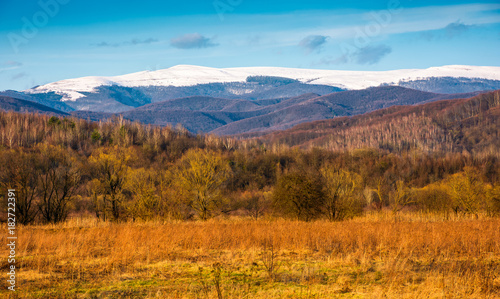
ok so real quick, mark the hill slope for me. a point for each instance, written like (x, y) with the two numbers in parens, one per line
(202, 103)
(330, 106)
(19, 105)
(471, 124)
(205, 114)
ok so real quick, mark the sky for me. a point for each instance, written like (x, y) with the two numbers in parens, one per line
(43, 41)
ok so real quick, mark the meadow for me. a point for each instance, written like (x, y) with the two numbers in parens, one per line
(117, 209)
(375, 256)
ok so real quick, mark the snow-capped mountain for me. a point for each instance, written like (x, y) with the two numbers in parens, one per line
(186, 76)
(255, 99)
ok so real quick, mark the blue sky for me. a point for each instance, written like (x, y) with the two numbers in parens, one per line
(49, 40)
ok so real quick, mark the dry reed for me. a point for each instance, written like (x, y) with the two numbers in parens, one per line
(366, 258)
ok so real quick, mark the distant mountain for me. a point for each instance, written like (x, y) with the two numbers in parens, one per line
(252, 89)
(471, 124)
(197, 114)
(203, 103)
(19, 105)
(116, 98)
(234, 116)
(291, 90)
(112, 98)
(206, 114)
(332, 105)
(255, 99)
(122, 93)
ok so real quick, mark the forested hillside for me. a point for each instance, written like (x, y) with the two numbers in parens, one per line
(436, 158)
(465, 125)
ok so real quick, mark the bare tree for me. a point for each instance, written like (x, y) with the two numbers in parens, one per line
(17, 172)
(343, 193)
(58, 180)
(401, 197)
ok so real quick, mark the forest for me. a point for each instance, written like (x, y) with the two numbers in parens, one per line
(117, 170)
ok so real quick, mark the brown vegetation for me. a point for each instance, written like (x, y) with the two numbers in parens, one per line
(466, 125)
(369, 257)
(110, 209)
(118, 170)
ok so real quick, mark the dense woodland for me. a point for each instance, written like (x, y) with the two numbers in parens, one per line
(440, 159)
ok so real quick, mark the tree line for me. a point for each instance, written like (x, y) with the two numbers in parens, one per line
(118, 170)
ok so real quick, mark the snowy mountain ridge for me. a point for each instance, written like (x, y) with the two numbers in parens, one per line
(187, 75)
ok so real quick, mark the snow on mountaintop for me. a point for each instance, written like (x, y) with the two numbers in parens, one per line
(187, 75)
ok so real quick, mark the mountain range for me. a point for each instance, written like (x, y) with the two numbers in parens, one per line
(248, 100)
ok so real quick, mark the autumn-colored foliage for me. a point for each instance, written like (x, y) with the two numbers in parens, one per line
(200, 181)
(109, 209)
(120, 170)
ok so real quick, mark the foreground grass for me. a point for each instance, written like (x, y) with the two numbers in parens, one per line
(364, 258)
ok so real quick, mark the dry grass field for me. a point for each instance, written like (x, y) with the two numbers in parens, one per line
(369, 257)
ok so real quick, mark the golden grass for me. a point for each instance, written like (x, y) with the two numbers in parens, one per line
(363, 258)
